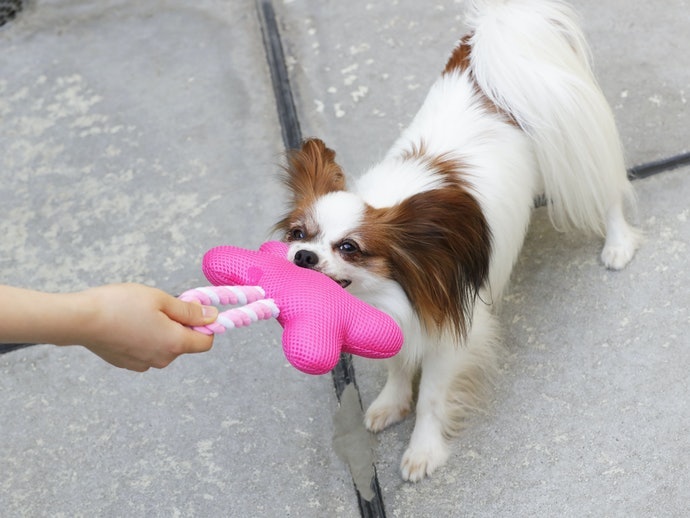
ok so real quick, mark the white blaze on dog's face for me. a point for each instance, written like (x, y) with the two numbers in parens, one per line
(324, 237)
(325, 223)
(328, 237)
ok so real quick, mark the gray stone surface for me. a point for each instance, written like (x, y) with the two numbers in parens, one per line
(136, 135)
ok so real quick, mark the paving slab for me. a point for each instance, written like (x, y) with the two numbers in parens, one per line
(135, 136)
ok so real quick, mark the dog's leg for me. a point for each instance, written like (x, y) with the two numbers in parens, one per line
(428, 447)
(455, 381)
(395, 400)
(621, 239)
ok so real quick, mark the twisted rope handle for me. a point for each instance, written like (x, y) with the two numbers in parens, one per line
(254, 306)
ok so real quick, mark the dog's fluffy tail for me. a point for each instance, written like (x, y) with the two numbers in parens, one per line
(531, 59)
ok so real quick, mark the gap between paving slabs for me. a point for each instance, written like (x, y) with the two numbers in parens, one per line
(8, 10)
(352, 442)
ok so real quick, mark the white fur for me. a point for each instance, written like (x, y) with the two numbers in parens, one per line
(548, 86)
(530, 59)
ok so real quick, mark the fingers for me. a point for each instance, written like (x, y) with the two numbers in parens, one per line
(192, 314)
(189, 313)
(196, 342)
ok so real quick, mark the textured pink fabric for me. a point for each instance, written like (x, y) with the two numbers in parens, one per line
(320, 319)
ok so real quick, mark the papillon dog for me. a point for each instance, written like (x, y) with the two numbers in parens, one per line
(431, 233)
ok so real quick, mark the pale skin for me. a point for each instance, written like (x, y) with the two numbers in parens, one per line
(131, 326)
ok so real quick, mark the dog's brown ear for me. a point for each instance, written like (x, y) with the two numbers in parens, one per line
(438, 243)
(312, 171)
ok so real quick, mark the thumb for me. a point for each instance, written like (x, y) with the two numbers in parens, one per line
(190, 313)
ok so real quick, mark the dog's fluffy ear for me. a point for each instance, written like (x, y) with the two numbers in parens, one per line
(312, 172)
(438, 244)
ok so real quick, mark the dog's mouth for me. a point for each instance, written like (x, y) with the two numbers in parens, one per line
(343, 282)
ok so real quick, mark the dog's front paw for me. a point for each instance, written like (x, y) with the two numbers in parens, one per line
(423, 458)
(620, 247)
(381, 414)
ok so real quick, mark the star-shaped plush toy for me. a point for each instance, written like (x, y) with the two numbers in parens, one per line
(319, 318)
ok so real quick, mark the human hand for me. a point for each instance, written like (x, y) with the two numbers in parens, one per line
(137, 327)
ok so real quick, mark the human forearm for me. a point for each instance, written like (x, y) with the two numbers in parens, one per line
(129, 325)
(34, 317)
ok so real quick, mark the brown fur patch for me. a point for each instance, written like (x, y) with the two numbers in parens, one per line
(460, 58)
(459, 61)
(445, 164)
(310, 173)
(438, 246)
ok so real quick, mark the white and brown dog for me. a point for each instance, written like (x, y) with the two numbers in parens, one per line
(431, 233)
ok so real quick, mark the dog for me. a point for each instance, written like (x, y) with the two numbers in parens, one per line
(431, 233)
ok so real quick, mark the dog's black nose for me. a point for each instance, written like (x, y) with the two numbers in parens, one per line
(306, 259)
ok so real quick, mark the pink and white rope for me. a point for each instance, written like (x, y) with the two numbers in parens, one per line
(254, 306)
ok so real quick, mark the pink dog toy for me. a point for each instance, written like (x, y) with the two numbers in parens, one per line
(319, 318)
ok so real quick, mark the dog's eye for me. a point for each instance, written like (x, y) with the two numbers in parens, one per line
(296, 234)
(348, 247)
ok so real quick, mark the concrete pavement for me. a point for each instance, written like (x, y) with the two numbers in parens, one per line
(136, 135)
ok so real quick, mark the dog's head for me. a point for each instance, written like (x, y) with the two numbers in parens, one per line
(434, 243)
